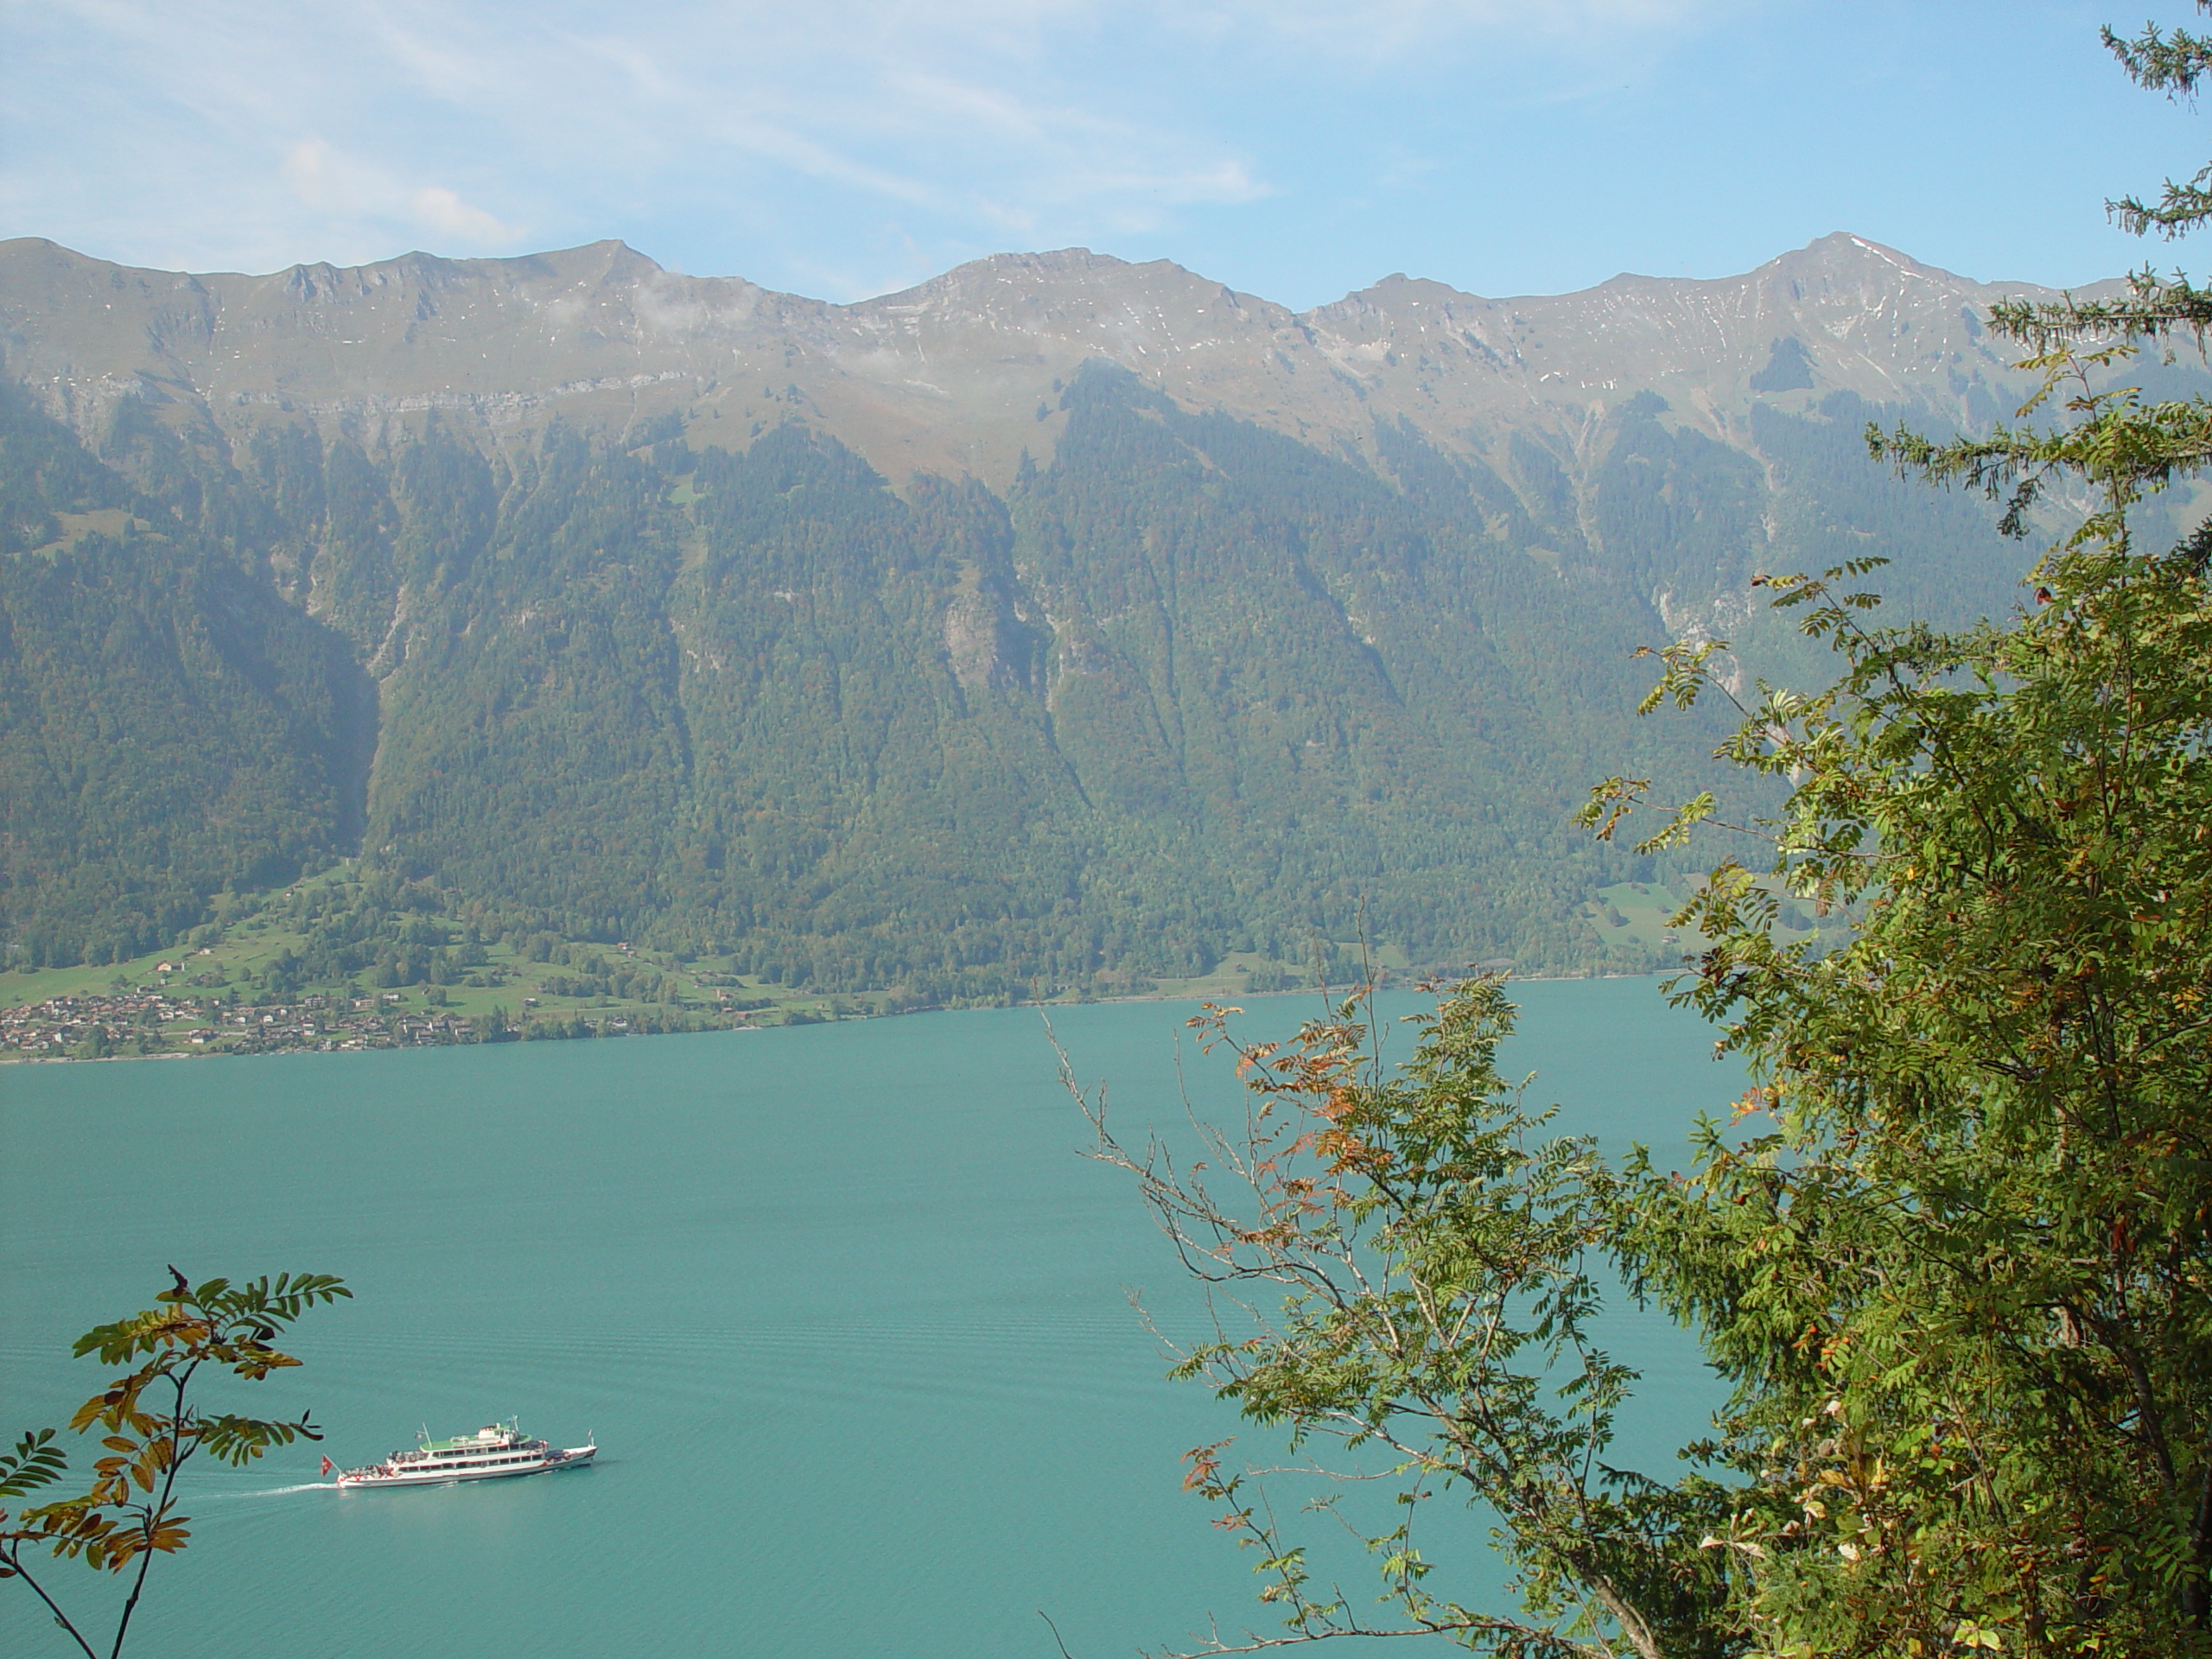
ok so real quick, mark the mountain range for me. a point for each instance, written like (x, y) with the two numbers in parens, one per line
(949, 378)
(1060, 619)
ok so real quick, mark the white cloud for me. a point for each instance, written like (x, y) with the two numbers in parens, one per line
(441, 210)
(256, 132)
(347, 187)
(1372, 35)
(307, 169)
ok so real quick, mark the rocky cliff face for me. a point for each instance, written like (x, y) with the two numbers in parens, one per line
(963, 373)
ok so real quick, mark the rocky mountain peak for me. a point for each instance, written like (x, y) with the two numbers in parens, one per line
(961, 373)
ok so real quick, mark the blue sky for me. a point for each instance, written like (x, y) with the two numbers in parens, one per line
(1293, 149)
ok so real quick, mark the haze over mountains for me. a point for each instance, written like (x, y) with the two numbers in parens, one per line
(948, 378)
(1060, 617)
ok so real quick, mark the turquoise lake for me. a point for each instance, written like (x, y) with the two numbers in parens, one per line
(844, 1306)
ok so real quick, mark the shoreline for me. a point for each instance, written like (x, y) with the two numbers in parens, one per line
(522, 1032)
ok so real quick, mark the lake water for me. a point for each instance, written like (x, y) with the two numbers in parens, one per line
(844, 1306)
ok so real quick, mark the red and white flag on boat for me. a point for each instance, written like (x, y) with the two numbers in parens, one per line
(328, 1465)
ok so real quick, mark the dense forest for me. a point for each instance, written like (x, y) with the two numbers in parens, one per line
(1188, 686)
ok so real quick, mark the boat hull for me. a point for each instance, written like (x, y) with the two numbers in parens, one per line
(449, 1462)
(438, 1477)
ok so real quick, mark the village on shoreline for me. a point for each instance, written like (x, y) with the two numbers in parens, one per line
(147, 1024)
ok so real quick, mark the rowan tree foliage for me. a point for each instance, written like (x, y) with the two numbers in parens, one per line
(1956, 1266)
(150, 1426)
(1953, 1254)
(1433, 1250)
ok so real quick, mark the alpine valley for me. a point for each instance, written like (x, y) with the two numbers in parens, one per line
(1060, 624)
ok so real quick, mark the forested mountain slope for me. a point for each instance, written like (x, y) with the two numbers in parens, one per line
(1060, 619)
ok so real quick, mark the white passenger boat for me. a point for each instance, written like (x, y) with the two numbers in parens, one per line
(496, 1450)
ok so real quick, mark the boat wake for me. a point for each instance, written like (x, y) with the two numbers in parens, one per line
(279, 1491)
